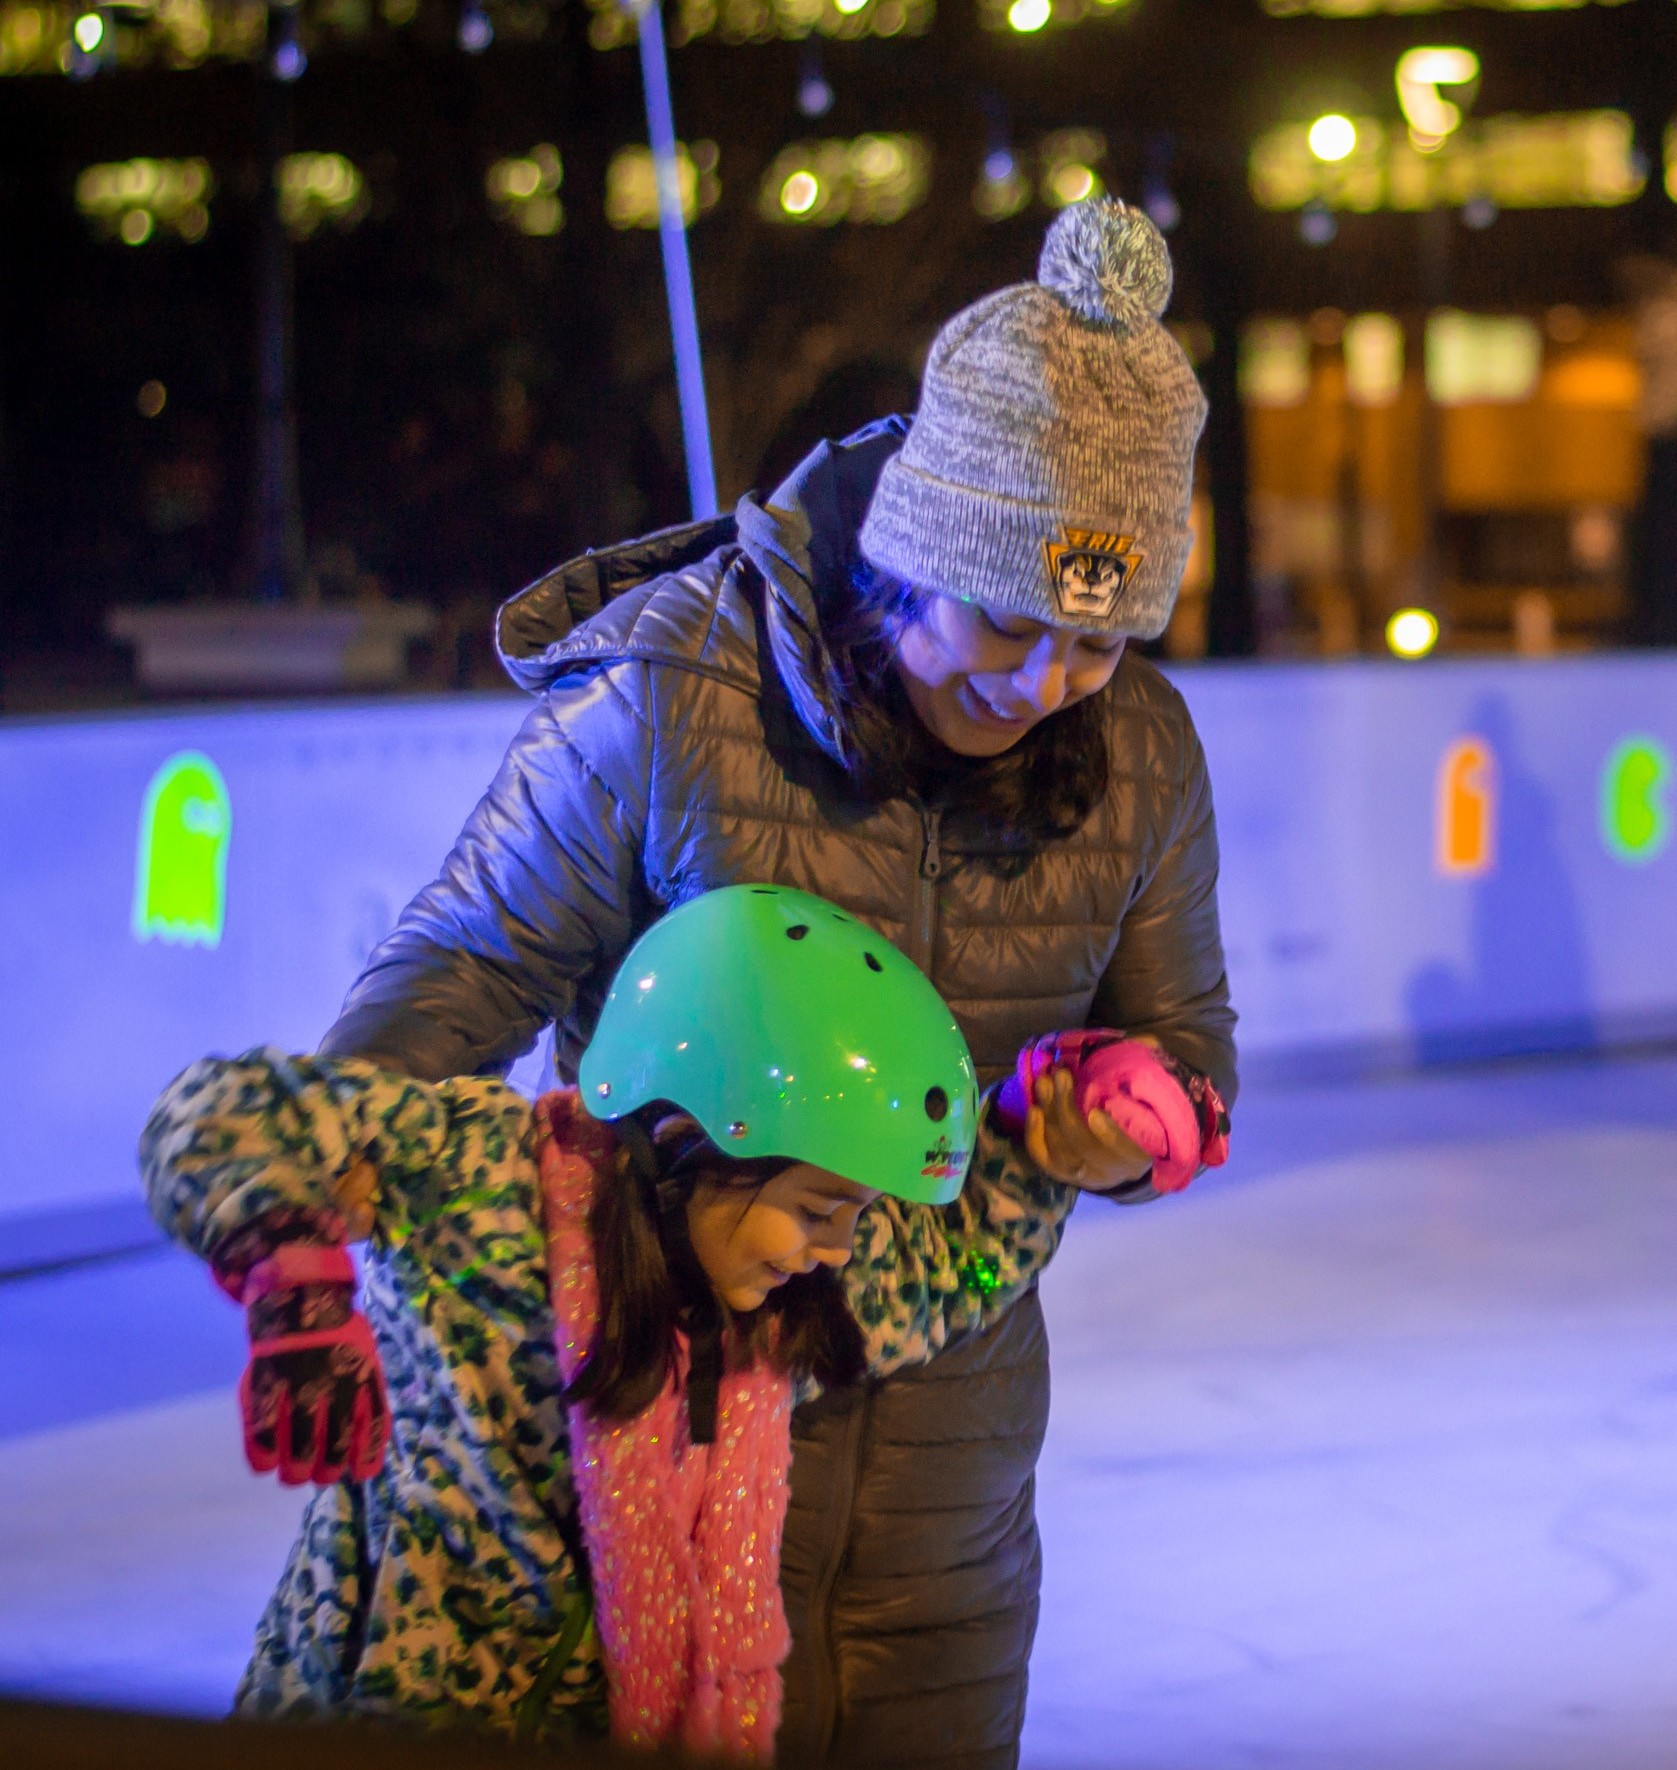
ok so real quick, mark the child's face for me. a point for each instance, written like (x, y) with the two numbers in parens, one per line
(750, 1240)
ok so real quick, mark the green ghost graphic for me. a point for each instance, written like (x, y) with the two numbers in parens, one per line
(1634, 819)
(180, 888)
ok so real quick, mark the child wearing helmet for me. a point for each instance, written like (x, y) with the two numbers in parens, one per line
(557, 1442)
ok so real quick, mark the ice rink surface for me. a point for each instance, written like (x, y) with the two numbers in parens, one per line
(1363, 1453)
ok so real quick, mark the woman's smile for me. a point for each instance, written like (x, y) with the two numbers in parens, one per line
(979, 707)
(1029, 670)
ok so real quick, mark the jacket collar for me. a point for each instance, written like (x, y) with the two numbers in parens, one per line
(799, 538)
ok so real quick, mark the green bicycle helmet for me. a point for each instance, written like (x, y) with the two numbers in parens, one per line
(788, 1028)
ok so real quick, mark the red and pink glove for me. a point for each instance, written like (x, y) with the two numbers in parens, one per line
(312, 1395)
(1169, 1111)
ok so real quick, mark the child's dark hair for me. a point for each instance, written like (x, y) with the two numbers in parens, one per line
(1039, 791)
(648, 1287)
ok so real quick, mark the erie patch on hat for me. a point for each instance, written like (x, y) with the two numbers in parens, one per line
(1088, 571)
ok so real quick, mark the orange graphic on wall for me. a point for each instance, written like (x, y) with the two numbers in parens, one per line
(1467, 792)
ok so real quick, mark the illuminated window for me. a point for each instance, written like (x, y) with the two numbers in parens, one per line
(130, 200)
(180, 879)
(632, 184)
(1373, 345)
(1481, 357)
(44, 39)
(611, 24)
(524, 191)
(1274, 363)
(875, 179)
(1577, 159)
(318, 188)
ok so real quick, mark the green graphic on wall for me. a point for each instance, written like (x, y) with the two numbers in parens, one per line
(1635, 823)
(180, 885)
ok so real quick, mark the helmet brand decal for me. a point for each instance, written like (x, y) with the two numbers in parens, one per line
(1090, 571)
(944, 1161)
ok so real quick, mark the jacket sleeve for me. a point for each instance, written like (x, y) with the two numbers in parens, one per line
(920, 1276)
(537, 896)
(1167, 976)
(332, 1148)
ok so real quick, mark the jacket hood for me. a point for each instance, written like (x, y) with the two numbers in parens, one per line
(800, 539)
(539, 632)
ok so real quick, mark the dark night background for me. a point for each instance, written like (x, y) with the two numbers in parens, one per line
(473, 405)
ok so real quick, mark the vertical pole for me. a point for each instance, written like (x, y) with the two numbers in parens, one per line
(277, 567)
(1433, 279)
(678, 273)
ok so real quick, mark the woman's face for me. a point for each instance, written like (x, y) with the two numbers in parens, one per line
(750, 1240)
(980, 679)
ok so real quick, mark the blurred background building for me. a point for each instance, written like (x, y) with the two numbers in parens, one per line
(358, 305)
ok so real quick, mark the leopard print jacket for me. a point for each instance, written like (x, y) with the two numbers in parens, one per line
(452, 1587)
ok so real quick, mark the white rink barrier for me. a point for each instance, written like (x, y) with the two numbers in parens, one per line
(1420, 862)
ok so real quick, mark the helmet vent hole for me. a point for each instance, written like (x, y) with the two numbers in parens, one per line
(873, 963)
(937, 1105)
(797, 931)
(764, 891)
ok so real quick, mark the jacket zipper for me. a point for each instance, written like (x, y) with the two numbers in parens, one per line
(824, 1672)
(824, 1679)
(926, 905)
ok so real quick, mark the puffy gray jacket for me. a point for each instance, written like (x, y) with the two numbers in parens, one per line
(681, 741)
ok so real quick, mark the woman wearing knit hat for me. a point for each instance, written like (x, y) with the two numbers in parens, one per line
(900, 681)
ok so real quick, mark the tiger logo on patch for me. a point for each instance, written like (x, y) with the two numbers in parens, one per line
(1090, 572)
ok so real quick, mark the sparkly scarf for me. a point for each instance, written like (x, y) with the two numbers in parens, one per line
(683, 1539)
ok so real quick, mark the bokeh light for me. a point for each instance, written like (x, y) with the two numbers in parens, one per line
(1026, 16)
(1420, 73)
(130, 200)
(1412, 633)
(1333, 137)
(800, 193)
(317, 188)
(870, 179)
(632, 184)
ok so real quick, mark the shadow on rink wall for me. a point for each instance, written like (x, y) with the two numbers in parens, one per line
(1526, 984)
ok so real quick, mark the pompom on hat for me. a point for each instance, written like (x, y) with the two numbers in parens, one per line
(1049, 467)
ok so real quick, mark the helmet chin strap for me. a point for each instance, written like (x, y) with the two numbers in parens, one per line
(701, 1314)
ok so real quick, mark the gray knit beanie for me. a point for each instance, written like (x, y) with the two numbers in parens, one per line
(1049, 466)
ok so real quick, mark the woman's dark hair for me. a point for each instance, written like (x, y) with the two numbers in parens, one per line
(650, 1282)
(1039, 791)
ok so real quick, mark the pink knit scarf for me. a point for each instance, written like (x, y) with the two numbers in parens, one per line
(683, 1539)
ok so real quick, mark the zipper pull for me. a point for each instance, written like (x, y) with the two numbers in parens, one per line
(931, 859)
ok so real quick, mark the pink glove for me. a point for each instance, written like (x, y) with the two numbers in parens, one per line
(312, 1395)
(1170, 1112)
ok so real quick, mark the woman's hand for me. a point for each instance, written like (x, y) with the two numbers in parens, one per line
(1088, 1152)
